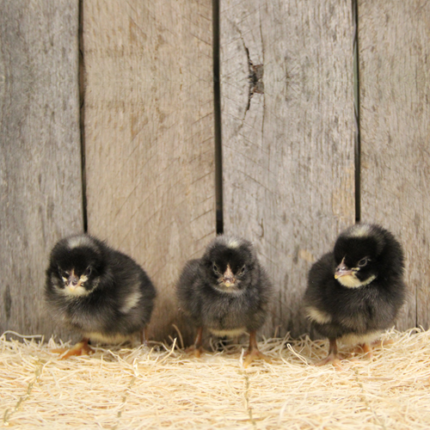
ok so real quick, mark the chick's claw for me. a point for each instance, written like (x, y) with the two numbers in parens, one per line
(364, 348)
(333, 356)
(81, 348)
(367, 349)
(253, 355)
(196, 351)
(197, 348)
(331, 359)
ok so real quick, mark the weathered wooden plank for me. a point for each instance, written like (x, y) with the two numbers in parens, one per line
(394, 54)
(288, 135)
(40, 164)
(150, 135)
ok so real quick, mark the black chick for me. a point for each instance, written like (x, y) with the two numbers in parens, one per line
(356, 291)
(227, 291)
(100, 292)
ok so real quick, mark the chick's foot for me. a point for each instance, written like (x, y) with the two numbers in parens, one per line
(81, 348)
(252, 355)
(253, 351)
(197, 351)
(333, 359)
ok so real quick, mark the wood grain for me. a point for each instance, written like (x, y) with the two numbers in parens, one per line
(40, 164)
(288, 136)
(149, 136)
(394, 53)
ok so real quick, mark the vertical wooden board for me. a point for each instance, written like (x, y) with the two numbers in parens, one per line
(287, 136)
(150, 136)
(40, 164)
(394, 55)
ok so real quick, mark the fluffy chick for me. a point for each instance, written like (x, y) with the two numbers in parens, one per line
(227, 291)
(356, 291)
(100, 292)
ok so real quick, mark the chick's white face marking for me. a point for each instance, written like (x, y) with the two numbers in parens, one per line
(348, 277)
(227, 282)
(228, 279)
(72, 289)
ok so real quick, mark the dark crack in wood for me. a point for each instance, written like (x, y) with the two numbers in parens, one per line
(255, 77)
(256, 72)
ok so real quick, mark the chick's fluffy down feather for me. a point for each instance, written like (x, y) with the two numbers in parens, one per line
(230, 310)
(116, 298)
(356, 313)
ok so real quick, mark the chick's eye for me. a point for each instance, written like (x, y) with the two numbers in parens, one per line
(88, 271)
(242, 271)
(63, 273)
(215, 269)
(363, 262)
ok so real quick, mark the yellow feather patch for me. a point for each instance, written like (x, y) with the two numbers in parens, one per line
(354, 339)
(318, 316)
(230, 333)
(351, 281)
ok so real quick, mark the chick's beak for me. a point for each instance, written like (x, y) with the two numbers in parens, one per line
(342, 270)
(72, 282)
(228, 278)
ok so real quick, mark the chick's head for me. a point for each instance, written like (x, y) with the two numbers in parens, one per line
(228, 264)
(358, 253)
(78, 267)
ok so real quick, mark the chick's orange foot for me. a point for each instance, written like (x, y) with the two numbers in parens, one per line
(333, 356)
(197, 348)
(197, 351)
(253, 352)
(333, 359)
(363, 348)
(81, 348)
(252, 355)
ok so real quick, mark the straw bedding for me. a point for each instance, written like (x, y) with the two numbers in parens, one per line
(146, 388)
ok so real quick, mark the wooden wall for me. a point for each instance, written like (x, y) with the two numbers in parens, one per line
(149, 135)
(287, 140)
(289, 134)
(394, 58)
(40, 155)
